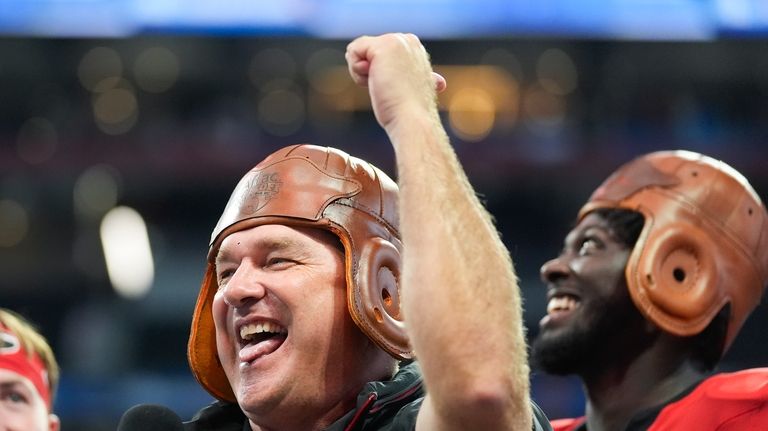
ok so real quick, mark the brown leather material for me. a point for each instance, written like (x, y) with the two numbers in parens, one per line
(310, 186)
(704, 243)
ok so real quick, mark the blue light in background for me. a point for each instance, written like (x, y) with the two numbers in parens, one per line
(434, 19)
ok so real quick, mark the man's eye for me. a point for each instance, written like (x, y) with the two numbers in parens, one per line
(15, 397)
(279, 262)
(225, 275)
(588, 245)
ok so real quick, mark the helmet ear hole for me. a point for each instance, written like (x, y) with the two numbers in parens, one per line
(676, 282)
(375, 301)
(386, 297)
(679, 274)
(389, 291)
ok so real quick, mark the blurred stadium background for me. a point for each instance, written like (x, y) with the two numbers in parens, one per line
(124, 126)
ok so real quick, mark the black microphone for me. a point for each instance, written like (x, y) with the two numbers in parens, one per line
(150, 417)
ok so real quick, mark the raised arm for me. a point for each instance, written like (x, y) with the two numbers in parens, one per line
(460, 294)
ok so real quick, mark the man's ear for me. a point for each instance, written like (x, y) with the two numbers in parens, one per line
(53, 422)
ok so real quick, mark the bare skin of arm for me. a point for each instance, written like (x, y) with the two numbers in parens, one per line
(460, 293)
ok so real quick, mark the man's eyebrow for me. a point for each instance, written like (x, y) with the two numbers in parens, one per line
(268, 244)
(12, 384)
(571, 238)
(221, 255)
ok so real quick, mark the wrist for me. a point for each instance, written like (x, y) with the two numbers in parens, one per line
(410, 124)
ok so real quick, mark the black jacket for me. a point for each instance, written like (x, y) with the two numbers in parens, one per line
(391, 405)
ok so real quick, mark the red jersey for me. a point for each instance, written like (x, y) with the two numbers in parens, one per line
(724, 402)
(567, 424)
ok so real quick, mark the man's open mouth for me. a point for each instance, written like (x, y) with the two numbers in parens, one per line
(562, 303)
(261, 338)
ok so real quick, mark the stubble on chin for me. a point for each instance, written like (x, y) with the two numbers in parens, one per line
(586, 346)
(560, 354)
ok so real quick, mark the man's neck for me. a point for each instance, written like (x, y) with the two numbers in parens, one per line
(311, 416)
(291, 425)
(616, 394)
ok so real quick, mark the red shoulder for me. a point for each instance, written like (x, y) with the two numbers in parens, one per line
(749, 384)
(728, 401)
(566, 424)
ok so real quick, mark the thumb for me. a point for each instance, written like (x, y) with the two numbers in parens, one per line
(440, 83)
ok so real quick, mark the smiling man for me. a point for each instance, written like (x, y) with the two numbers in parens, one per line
(29, 375)
(668, 259)
(323, 275)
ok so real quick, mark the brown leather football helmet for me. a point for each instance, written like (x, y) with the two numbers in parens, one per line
(704, 243)
(310, 186)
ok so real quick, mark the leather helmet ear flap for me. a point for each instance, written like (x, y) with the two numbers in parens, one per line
(375, 302)
(675, 278)
(201, 350)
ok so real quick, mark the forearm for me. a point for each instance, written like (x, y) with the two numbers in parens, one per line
(460, 294)
(458, 288)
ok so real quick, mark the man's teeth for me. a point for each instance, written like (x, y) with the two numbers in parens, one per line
(561, 303)
(248, 332)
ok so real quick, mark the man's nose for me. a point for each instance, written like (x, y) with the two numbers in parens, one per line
(555, 270)
(245, 285)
